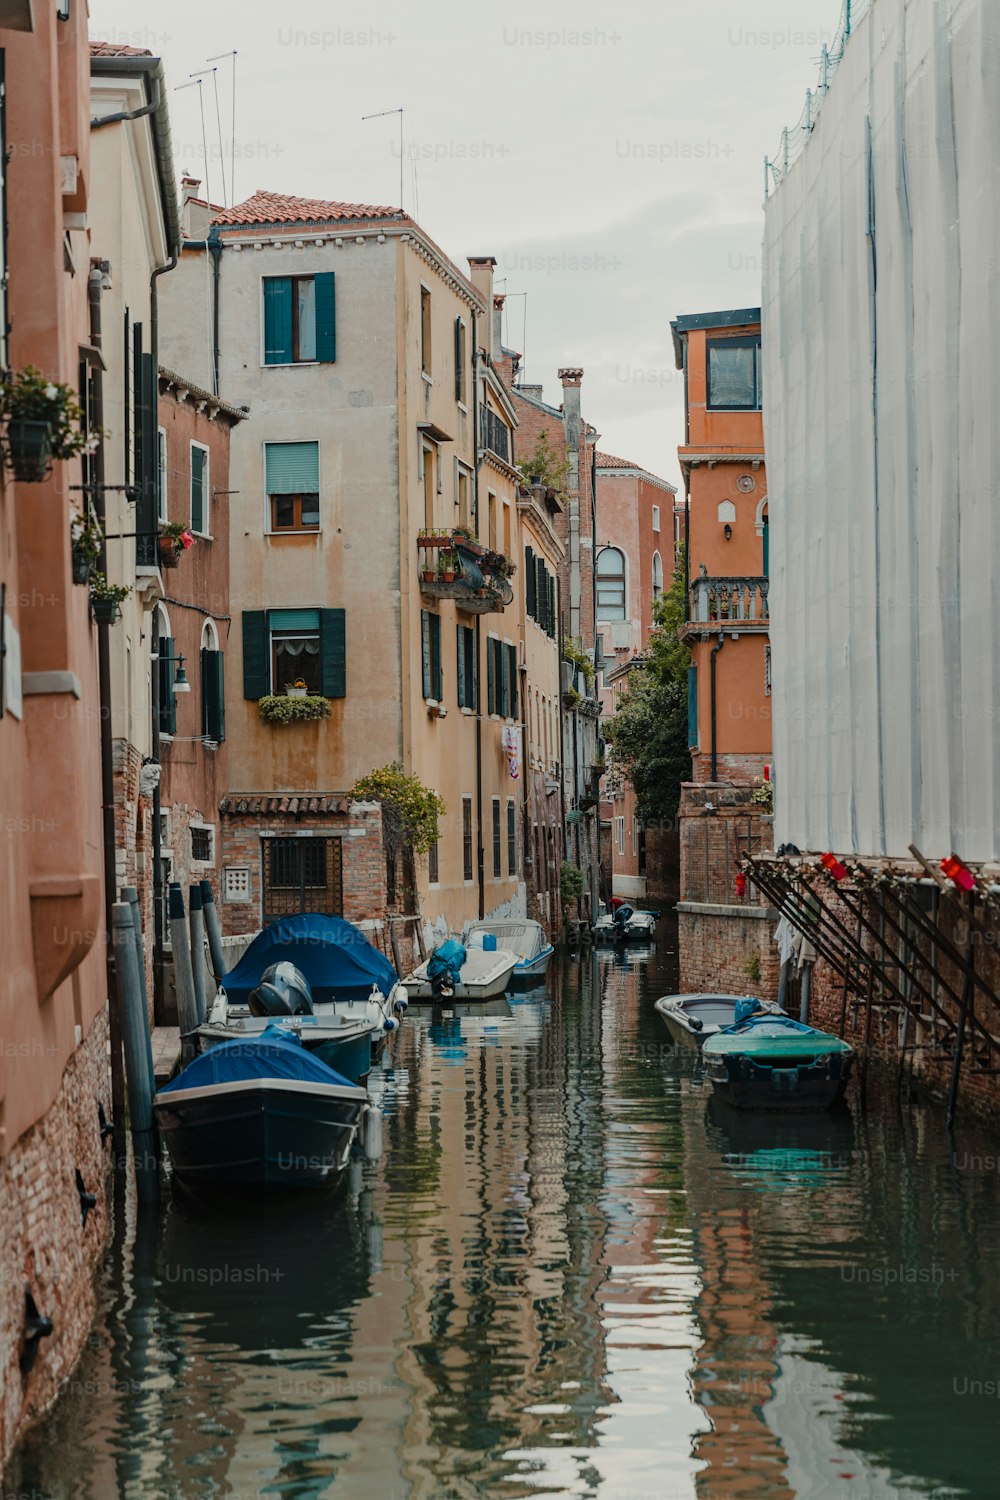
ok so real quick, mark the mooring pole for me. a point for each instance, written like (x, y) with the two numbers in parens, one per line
(956, 1064)
(135, 1029)
(804, 994)
(198, 950)
(210, 913)
(187, 1006)
(131, 895)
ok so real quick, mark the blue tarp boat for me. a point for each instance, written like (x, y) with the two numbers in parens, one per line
(356, 997)
(518, 935)
(774, 1062)
(261, 1112)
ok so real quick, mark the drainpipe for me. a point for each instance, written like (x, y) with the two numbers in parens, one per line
(154, 343)
(215, 251)
(715, 651)
(97, 271)
(132, 114)
(480, 849)
(561, 719)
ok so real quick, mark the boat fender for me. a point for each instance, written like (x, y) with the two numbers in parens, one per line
(371, 1134)
(389, 1024)
(695, 1024)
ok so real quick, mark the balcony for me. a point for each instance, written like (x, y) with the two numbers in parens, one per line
(494, 437)
(453, 565)
(730, 604)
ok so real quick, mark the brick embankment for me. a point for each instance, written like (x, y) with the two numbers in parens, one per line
(44, 1244)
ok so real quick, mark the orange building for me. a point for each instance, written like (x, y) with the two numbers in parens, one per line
(724, 935)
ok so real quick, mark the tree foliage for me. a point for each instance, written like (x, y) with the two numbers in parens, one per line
(545, 464)
(410, 810)
(649, 731)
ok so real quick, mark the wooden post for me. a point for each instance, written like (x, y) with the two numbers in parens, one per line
(131, 895)
(187, 1007)
(956, 1064)
(214, 929)
(198, 950)
(135, 1031)
(394, 941)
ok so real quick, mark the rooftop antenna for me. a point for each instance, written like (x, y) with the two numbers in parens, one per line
(218, 121)
(232, 140)
(380, 116)
(196, 82)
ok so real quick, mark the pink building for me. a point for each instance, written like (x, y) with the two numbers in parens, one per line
(634, 555)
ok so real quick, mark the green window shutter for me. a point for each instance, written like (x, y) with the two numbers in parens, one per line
(326, 318)
(333, 653)
(530, 583)
(512, 658)
(437, 669)
(198, 510)
(459, 372)
(551, 603)
(168, 674)
(425, 651)
(541, 594)
(213, 696)
(504, 665)
(692, 707)
(460, 667)
(291, 468)
(277, 320)
(472, 670)
(256, 676)
(491, 685)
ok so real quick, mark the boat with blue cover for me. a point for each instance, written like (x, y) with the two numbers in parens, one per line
(260, 1113)
(351, 1001)
(454, 972)
(520, 935)
(692, 1019)
(776, 1063)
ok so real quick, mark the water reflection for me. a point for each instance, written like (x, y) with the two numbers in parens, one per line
(571, 1274)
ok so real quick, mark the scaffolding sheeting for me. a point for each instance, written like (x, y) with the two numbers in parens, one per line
(881, 308)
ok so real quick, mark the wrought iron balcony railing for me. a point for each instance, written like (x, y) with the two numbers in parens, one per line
(455, 566)
(493, 435)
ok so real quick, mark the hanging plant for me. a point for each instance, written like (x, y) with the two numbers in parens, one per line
(106, 599)
(276, 708)
(173, 539)
(44, 421)
(86, 539)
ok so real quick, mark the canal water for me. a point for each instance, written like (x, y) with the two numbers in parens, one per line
(568, 1275)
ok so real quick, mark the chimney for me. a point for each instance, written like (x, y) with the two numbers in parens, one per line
(571, 379)
(532, 390)
(189, 187)
(481, 276)
(498, 303)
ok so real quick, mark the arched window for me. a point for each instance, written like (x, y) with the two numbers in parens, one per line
(657, 575)
(166, 670)
(610, 584)
(213, 685)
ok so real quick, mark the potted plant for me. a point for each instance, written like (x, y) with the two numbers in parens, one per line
(449, 564)
(106, 599)
(173, 539)
(44, 422)
(297, 689)
(86, 538)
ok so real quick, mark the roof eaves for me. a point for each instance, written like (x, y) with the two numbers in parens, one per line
(151, 70)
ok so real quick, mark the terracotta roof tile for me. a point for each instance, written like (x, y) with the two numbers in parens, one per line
(280, 208)
(609, 461)
(114, 49)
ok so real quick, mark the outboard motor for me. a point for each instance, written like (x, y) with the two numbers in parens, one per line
(283, 991)
(444, 967)
(621, 917)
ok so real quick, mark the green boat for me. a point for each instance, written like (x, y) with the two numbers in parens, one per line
(775, 1063)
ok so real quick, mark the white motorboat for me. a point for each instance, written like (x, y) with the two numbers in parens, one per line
(625, 926)
(482, 976)
(692, 1019)
(520, 935)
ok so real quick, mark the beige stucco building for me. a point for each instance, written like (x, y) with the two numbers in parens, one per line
(376, 553)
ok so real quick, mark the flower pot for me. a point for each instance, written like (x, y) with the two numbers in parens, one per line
(83, 566)
(429, 575)
(169, 555)
(296, 692)
(29, 449)
(448, 576)
(106, 611)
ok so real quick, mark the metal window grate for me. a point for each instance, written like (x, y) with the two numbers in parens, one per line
(302, 875)
(201, 844)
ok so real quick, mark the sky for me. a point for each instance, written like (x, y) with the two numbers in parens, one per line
(610, 158)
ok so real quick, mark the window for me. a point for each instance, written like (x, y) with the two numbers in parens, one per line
(497, 866)
(161, 473)
(291, 480)
(467, 676)
(734, 374)
(463, 497)
(467, 838)
(511, 838)
(301, 875)
(539, 592)
(283, 646)
(767, 671)
(425, 330)
(620, 834)
(635, 836)
(199, 489)
(460, 360)
(433, 871)
(213, 686)
(166, 672)
(610, 584)
(657, 575)
(430, 639)
(299, 319)
(203, 843)
(427, 456)
(501, 678)
(491, 518)
(656, 518)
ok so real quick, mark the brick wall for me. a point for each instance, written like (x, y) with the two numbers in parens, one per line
(42, 1240)
(744, 769)
(729, 949)
(663, 862)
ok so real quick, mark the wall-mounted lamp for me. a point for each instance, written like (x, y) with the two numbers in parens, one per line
(181, 684)
(728, 532)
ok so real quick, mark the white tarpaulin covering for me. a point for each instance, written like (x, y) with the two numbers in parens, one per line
(881, 316)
